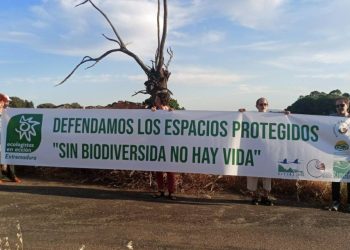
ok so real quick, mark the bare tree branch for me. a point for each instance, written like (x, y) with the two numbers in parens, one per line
(85, 60)
(122, 49)
(82, 3)
(140, 92)
(171, 54)
(158, 74)
(164, 34)
(111, 39)
(144, 67)
(109, 22)
(158, 32)
(96, 60)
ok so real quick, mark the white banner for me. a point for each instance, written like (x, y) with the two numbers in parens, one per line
(226, 143)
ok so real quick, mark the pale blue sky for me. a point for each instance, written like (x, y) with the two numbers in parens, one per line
(227, 53)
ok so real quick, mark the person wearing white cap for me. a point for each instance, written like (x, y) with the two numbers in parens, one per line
(8, 170)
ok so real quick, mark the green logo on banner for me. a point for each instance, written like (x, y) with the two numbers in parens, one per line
(341, 169)
(24, 133)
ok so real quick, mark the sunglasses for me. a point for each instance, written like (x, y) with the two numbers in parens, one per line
(263, 104)
(340, 105)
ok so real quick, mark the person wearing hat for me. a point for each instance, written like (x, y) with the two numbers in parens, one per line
(8, 170)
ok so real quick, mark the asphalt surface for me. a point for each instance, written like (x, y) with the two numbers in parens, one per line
(58, 215)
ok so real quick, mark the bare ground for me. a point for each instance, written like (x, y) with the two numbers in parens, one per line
(60, 215)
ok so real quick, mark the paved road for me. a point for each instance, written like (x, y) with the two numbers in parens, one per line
(56, 215)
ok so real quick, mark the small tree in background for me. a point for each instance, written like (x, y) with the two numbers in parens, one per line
(157, 74)
(317, 103)
(73, 105)
(17, 102)
(46, 106)
(175, 105)
(172, 103)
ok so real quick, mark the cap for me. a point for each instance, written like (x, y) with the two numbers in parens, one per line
(8, 98)
(5, 97)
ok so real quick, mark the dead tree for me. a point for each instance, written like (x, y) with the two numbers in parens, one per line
(157, 75)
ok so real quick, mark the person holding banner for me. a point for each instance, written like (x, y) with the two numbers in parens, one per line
(252, 182)
(161, 103)
(342, 108)
(8, 170)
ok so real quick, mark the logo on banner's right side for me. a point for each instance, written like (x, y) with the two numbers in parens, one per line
(341, 166)
(342, 128)
(315, 168)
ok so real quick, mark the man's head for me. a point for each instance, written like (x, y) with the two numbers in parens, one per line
(4, 100)
(262, 104)
(342, 106)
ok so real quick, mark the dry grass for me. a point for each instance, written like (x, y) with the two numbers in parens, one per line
(186, 183)
(5, 241)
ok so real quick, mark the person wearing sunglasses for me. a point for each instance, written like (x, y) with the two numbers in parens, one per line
(342, 108)
(8, 170)
(252, 182)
